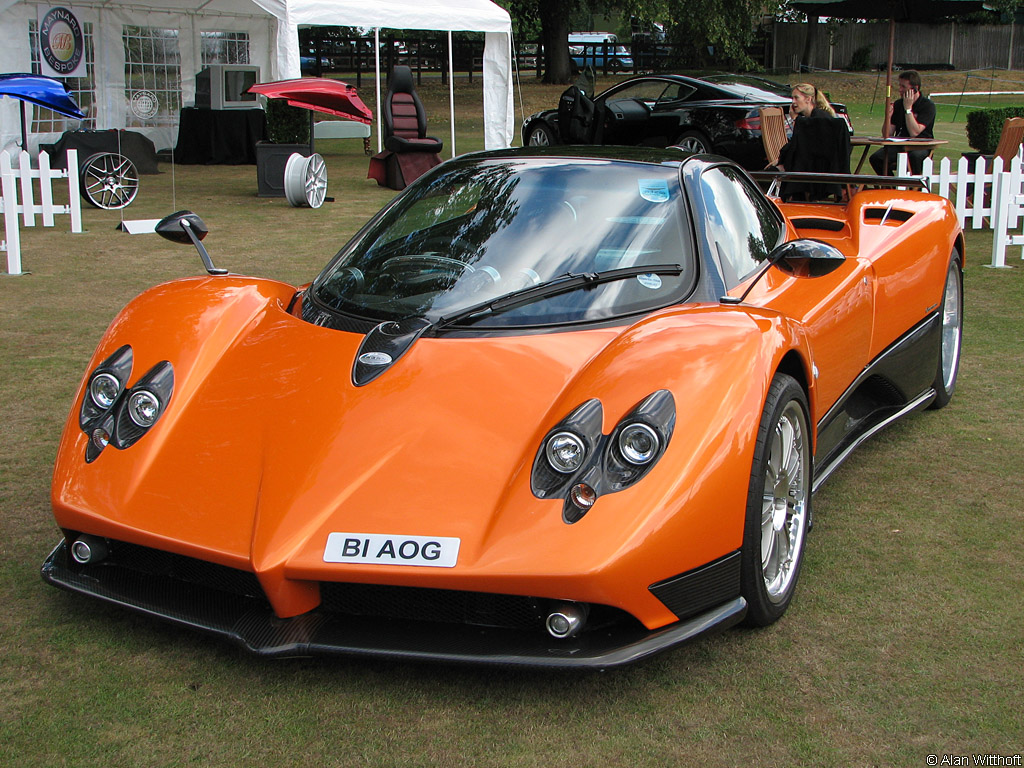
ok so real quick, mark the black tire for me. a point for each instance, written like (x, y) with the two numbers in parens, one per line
(694, 141)
(539, 135)
(951, 335)
(778, 503)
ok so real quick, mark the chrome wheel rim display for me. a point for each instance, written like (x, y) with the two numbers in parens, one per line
(305, 181)
(109, 181)
(784, 506)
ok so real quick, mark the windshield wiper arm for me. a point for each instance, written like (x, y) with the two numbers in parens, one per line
(570, 281)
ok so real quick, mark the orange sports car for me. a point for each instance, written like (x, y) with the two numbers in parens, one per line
(553, 407)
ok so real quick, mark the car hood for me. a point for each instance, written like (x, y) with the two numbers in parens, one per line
(266, 443)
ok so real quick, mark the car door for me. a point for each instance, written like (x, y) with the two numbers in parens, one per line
(627, 110)
(741, 228)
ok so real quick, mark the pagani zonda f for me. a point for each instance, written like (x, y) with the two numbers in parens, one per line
(546, 408)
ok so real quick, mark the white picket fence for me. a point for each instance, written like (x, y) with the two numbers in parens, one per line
(983, 196)
(25, 209)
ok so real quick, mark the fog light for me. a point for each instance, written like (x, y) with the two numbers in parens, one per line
(89, 549)
(566, 620)
(583, 496)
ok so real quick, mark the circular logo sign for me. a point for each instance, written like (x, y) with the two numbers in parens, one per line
(61, 41)
(145, 104)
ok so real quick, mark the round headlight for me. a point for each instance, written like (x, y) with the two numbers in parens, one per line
(638, 444)
(104, 389)
(565, 452)
(143, 408)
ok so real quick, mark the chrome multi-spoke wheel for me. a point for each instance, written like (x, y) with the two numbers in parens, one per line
(109, 180)
(692, 141)
(778, 503)
(305, 180)
(951, 332)
(784, 504)
(540, 135)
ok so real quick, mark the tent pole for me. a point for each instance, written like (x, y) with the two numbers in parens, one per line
(24, 127)
(376, 55)
(451, 89)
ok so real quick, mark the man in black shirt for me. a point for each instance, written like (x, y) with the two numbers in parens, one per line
(911, 116)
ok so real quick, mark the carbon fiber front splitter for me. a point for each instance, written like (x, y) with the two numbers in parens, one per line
(251, 624)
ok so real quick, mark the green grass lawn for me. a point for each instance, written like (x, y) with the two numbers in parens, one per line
(905, 638)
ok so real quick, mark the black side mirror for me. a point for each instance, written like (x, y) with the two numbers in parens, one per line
(813, 256)
(820, 258)
(170, 227)
(186, 227)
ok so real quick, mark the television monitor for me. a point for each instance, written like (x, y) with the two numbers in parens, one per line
(226, 86)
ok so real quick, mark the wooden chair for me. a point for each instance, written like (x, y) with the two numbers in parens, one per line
(1009, 139)
(773, 132)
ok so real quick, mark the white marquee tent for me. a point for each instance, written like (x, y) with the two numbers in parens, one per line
(270, 29)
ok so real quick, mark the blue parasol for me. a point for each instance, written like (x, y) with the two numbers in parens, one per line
(44, 91)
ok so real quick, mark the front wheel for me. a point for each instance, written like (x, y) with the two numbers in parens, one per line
(540, 135)
(952, 331)
(778, 503)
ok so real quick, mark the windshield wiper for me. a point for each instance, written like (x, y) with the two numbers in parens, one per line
(570, 281)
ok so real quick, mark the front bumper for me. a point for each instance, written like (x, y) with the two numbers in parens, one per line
(249, 622)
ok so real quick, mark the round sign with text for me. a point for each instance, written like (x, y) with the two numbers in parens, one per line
(61, 41)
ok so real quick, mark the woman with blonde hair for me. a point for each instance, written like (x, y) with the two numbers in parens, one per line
(808, 101)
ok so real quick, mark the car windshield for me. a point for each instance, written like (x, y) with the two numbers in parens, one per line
(751, 88)
(476, 230)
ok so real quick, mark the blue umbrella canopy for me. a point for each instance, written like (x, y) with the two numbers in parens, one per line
(44, 91)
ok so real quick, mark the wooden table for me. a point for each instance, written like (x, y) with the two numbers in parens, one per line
(877, 141)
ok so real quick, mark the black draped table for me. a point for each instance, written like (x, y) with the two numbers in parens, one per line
(132, 145)
(219, 136)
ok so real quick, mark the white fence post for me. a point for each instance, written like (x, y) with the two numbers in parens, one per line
(12, 179)
(9, 206)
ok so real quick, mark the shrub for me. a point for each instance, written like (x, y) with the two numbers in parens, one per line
(287, 124)
(860, 61)
(985, 125)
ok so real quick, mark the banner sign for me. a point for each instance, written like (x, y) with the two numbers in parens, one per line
(61, 42)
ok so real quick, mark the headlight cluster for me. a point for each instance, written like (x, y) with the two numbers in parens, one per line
(578, 463)
(113, 413)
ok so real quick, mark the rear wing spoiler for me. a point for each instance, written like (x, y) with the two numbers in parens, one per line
(774, 178)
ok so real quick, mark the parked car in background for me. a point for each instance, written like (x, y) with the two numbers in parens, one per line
(717, 114)
(599, 50)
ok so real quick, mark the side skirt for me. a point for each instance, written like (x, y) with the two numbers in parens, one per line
(897, 382)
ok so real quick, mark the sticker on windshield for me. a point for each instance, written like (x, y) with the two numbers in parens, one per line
(653, 190)
(649, 280)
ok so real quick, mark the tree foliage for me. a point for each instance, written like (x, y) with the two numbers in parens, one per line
(705, 31)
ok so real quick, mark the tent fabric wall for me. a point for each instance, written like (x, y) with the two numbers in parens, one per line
(107, 20)
(272, 26)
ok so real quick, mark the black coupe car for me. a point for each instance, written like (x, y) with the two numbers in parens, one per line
(718, 114)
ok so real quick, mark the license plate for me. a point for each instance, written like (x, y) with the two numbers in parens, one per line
(385, 549)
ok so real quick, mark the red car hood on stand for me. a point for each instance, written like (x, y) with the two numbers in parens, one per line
(333, 97)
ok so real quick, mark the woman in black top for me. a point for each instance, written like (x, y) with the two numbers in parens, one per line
(808, 101)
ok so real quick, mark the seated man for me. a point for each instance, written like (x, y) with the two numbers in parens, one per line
(912, 116)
